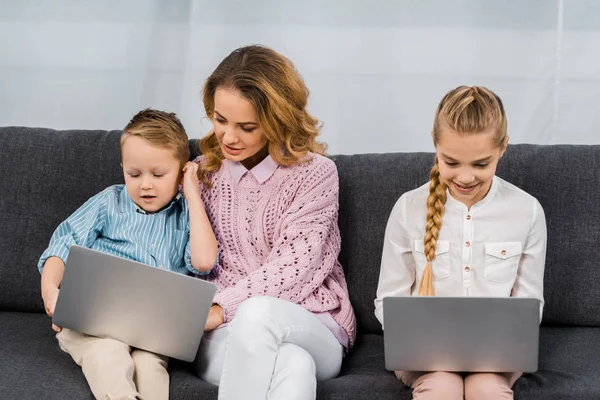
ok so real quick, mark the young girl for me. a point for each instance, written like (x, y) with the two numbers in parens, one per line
(282, 305)
(465, 233)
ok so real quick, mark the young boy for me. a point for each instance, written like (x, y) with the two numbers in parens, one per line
(146, 220)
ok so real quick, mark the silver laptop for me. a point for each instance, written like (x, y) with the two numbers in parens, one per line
(470, 334)
(145, 307)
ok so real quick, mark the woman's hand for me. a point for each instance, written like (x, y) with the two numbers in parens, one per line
(216, 317)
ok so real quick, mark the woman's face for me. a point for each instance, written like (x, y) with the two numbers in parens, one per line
(237, 128)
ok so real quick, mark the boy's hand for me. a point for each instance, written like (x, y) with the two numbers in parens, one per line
(216, 317)
(50, 298)
(191, 183)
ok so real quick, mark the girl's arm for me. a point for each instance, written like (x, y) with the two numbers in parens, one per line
(530, 276)
(397, 273)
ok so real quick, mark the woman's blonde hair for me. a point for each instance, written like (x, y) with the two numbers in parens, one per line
(270, 82)
(161, 129)
(466, 110)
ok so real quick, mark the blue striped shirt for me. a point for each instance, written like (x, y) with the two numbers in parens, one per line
(112, 223)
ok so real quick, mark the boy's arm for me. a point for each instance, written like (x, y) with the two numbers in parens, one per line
(202, 249)
(52, 275)
(81, 228)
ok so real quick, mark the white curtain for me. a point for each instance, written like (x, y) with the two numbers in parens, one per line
(376, 69)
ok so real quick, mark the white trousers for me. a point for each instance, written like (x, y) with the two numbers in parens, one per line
(272, 349)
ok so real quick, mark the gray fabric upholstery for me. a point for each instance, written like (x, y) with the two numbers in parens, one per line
(45, 175)
(33, 367)
(564, 180)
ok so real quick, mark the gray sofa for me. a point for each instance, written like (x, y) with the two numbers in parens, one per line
(45, 175)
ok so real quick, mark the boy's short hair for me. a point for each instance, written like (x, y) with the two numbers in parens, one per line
(160, 128)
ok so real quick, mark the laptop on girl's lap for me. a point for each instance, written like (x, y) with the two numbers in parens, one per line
(145, 307)
(468, 334)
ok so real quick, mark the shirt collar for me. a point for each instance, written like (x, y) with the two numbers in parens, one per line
(130, 205)
(263, 171)
(451, 201)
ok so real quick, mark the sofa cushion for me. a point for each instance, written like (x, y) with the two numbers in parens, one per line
(370, 185)
(33, 367)
(569, 368)
(564, 180)
(45, 176)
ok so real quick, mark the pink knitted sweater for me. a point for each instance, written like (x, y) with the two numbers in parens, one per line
(280, 238)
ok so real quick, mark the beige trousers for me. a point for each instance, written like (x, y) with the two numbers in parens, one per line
(459, 386)
(114, 370)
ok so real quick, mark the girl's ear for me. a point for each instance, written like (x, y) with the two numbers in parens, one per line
(504, 145)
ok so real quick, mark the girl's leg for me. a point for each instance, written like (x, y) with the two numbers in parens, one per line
(433, 385)
(490, 386)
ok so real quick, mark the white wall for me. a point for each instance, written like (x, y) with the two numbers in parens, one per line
(376, 69)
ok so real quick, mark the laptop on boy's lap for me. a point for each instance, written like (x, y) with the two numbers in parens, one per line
(145, 307)
(470, 334)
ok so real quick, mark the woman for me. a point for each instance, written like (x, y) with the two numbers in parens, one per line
(281, 318)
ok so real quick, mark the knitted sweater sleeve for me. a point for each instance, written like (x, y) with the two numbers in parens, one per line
(305, 250)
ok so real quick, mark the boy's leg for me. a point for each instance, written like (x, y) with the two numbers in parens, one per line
(106, 364)
(490, 386)
(433, 385)
(151, 377)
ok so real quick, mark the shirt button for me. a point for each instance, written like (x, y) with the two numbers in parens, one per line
(467, 268)
(503, 252)
(468, 244)
(153, 245)
(468, 217)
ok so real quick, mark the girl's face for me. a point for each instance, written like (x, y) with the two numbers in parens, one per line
(468, 163)
(237, 129)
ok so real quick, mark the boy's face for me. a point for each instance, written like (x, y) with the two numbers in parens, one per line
(152, 173)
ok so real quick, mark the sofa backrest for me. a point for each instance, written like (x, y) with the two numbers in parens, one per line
(45, 175)
(564, 178)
